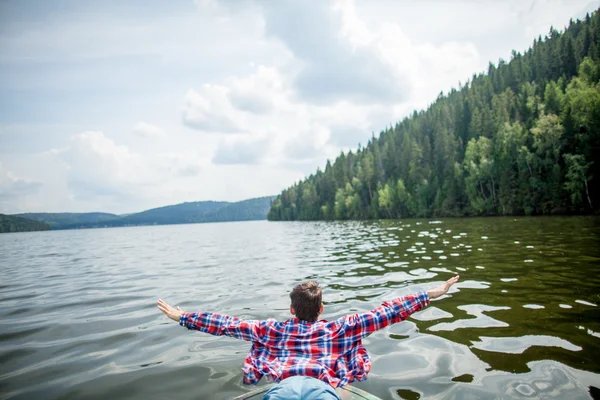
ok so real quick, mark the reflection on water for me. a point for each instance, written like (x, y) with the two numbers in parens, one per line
(517, 345)
(481, 320)
(78, 316)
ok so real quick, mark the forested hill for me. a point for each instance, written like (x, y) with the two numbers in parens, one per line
(246, 210)
(10, 223)
(522, 138)
(184, 213)
(60, 220)
(176, 214)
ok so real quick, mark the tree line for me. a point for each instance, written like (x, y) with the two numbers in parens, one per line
(520, 139)
(9, 223)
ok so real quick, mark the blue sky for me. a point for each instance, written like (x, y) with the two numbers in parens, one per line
(122, 106)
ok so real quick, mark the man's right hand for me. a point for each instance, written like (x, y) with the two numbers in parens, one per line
(443, 288)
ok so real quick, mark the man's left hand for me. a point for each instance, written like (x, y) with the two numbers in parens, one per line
(171, 312)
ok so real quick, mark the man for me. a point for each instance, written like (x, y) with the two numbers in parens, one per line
(304, 346)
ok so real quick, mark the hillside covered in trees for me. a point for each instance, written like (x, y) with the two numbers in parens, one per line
(60, 220)
(522, 138)
(184, 213)
(10, 223)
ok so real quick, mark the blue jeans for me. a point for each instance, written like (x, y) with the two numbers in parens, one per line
(301, 388)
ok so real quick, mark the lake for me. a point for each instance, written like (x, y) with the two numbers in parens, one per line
(78, 316)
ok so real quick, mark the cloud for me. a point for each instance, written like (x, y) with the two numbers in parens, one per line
(14, 189)
(258, 92)
(243, 150)
(209, 110)
(295, 133)
(100, 169)
(228, 107)
(251, 102)
(145, 129)
(340, 57)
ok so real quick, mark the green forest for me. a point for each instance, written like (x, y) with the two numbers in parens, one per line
(520, 139)
(10, 223)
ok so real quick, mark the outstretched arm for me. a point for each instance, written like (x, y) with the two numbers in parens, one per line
(443, 288)
(215, 324)
(397, 310)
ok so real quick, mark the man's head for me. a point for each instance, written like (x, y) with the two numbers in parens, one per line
(307, 301)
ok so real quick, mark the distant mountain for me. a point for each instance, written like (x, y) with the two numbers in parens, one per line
(247, 210)
(10, 223)
(69, 220)
(184, 213)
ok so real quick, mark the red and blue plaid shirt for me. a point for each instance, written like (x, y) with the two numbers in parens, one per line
(331, 351)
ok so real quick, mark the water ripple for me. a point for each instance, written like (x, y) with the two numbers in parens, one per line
(78, 316)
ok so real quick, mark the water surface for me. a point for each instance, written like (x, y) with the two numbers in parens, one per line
(78, 316)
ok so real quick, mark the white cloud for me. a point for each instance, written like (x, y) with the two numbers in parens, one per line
(429, 68)
(333, 65)
(236, 105)
(15, 192)
(251, 101)
(243, 150)
(313, 126)
(258, 92)
(98, 169)
(145, 129)
(209, 109)
(339, 57)
(95, 161)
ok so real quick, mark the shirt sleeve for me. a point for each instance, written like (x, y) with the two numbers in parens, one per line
(223, 325)
(397, 310)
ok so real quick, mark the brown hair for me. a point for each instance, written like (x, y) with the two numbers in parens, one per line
(306, 300)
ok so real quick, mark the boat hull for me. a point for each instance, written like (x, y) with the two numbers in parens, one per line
(347, 392)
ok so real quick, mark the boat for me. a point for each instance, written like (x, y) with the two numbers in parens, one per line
(347, 392)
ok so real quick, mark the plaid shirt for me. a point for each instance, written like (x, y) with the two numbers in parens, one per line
(331, 351)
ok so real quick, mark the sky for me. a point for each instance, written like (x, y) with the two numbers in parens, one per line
(121, 106)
